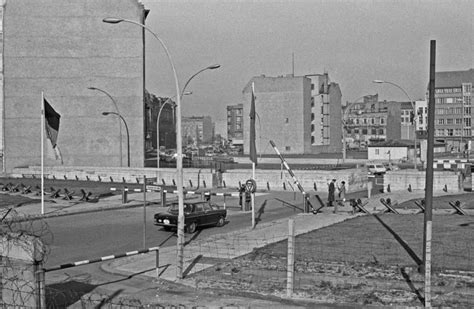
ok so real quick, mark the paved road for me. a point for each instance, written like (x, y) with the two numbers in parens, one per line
(93, 235)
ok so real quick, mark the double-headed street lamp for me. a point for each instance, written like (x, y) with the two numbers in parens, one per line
(378, 81)
(179, 146)
(168, 101)
(128, 134)
(118, 112)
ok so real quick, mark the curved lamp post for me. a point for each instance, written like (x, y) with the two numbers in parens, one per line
(117, 110)
(128, 134)
(378, 81)
(344, 115)
(168, 101)
(179, 159)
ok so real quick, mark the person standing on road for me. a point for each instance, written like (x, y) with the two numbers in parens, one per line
(342, 193)
(331, 193)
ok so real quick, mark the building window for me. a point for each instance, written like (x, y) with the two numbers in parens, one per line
(458, 120)
(312, 140)
(287, 120)
(381, 132)
(239, 111)
(467, 122)
(312, 86)
(287, 148)
(238, 126)
(449, 121)
(382, 120)
(374, 131)
(364, 131)
(450, 132)
(312, 127)
(449, 100)
(372, 120)
(312, 116)
(457, 132)
(356, 131)
(440, 121)
(377, 151)
(312, 101)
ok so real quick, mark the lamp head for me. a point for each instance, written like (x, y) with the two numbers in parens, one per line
(378, 81)
(112, 20)
(92, 88)
(105, 113)
(214, 66)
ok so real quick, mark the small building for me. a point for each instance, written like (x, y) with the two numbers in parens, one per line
(400, 150)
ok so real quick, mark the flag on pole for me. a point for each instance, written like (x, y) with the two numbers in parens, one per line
(253, 149)
(52, 127)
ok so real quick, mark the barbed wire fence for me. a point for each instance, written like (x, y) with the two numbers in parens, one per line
(372, 259)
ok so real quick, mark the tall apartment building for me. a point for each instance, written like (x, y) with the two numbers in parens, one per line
(235, 124)
(62, 47)
(197, 130)
(326, 129)
(301, 114)
(453, 115)
(164, 108)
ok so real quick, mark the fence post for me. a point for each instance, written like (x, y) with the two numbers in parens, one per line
(157, 264)
(40, 285)
(291, 258)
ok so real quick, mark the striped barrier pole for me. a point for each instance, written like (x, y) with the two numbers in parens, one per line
(287, 167)
(101, 259)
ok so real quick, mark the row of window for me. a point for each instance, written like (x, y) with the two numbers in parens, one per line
(447, 90)
(366, 131)
(374, 121)
(453, 132)
(448, 121)
(453, 111)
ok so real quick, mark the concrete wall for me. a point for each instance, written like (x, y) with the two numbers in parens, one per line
(62, 47)
(356, 179)
(402, 179)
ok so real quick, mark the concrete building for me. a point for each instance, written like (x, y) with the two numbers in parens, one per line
(301, 114)
(62, 47)
(453, 115)
(164, 108)
(197, 130)
(235, 127)
(326, 116)
(283, 109)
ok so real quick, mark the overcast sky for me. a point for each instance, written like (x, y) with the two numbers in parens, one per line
(354, 41)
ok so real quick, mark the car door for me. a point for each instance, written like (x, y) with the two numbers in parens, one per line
(209, 216)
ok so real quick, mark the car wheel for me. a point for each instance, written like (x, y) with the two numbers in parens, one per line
(220, 222)
(192, 227)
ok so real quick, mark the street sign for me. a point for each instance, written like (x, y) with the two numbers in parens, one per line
(153, 188)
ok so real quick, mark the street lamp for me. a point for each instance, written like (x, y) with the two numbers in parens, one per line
(128, 134)
(348, 107)
(168, 101)
(179, 159)
(378, 81)
(117, 110)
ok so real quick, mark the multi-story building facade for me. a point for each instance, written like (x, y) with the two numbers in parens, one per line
(326, 131)
(60, 48)
(372, 121)
(301, 114)
(197, 130)
(164, 108)
(235, 124)
(453, 115)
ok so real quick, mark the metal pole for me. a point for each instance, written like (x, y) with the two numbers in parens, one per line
(291, 258)
(428, 217)
(144, 211)
(118, 112)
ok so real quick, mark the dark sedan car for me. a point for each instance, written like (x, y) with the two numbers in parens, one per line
(196, 214)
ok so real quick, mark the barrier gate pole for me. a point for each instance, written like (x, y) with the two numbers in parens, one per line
(287, 167)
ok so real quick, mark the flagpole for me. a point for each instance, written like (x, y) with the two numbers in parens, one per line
(42, 152)
(253, 170)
